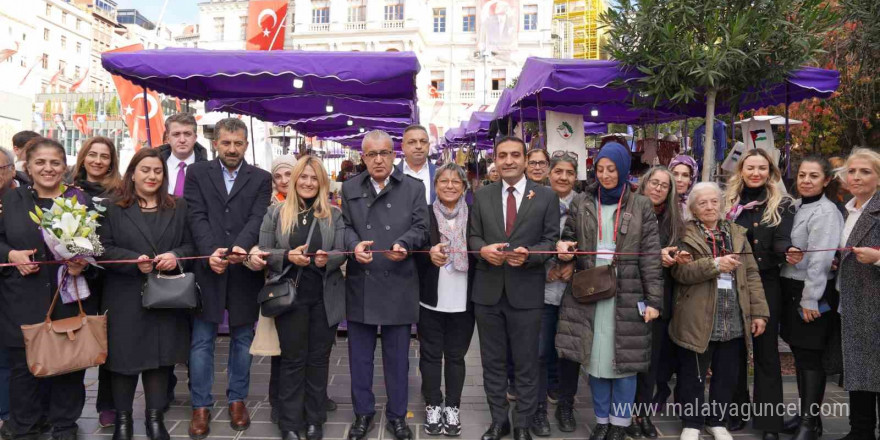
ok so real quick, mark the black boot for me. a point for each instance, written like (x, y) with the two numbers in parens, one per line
(540, 423)
(813, 391)
(565, 416)
(155, 423)
(791, 425)
(123, 429)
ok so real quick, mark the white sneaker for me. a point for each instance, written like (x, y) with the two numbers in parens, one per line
(690, 434)
(433, 420)
(719, 432)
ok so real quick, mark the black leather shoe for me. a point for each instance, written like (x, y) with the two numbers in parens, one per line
(600, 431)
(290, 435)
(314, 432)
(155, 423)
(123, 429)
(633, 430)
(615, 433)
(521, 434)
(273, 415)
(399, 429)
(770, 435)
(68, 435)
(330, 405)
(361, 426)
(736, 424)
(565, 417)
(540, 425)
(647, 427)
(791, 425)
(496, 431)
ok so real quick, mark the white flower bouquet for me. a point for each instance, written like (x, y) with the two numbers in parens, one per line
(70, 231)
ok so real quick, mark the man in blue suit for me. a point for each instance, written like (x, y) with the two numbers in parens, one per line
(415, 163)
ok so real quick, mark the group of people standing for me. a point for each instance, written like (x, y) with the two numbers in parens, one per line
(705, 278)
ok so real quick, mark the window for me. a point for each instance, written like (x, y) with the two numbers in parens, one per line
(244, 23)
(63, 42)
(357, 11)
(76, 71)
(46, 34)
(64, 18)
(469, 19)
(61, 66)
(78, 23)
(499, 79)
(48, 10)
(79, 47)
(219, 27)
(393, 10)
(560, 9)
(438, 80)
(45, 62)
(439, 20)
(530, 17)
(320, 12)
(467, 81)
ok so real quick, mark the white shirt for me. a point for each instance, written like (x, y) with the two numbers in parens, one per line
(451, 289)
(519, 189)
(173, 162)
(376, 184)
(424, 175)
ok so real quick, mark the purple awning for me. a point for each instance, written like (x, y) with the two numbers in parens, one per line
(337, 125)
(220, 74)
(281, 109)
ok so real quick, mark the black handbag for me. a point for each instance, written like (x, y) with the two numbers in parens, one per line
(279, 293)
(176, 291)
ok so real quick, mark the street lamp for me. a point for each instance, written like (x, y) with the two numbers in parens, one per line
(484, 55)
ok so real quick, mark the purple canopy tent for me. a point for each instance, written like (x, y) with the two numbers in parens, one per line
(288, 108)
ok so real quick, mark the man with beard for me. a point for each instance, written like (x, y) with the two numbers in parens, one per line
(227, 199)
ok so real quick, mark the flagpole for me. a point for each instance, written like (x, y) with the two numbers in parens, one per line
(253, 144)
(147, 119)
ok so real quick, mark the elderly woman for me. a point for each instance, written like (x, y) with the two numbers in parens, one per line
(610, 337)
(719, 304)
(659, 186)
(684, 170)
(446, 316)
(857, 278)
(537, 165)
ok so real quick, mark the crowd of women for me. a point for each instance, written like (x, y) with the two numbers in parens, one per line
(740, 266)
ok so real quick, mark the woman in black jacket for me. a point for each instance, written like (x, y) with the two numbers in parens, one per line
(758, 203)
(446, 316)
(27, 290)
(146, 224)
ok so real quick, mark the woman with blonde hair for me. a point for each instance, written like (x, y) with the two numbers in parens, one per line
(307, 330)
(755, 201)
(859, 302)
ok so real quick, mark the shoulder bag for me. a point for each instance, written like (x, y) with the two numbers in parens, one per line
(598, 283)
(162, 291)
(279, 293)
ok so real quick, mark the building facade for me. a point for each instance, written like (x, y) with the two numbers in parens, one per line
(577, 31)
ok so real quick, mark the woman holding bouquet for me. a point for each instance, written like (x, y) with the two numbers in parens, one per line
(26, 292)
(144, 223)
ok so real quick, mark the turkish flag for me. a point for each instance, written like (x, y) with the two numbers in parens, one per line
(82, 123)
(79, 81)
(138, 108)
(266, 22)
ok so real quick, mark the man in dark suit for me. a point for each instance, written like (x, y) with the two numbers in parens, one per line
(416, 146)
(180, 150)
(227, 199)
(386, 210)
(510, 220)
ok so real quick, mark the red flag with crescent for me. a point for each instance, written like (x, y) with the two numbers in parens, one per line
(81, 121)
(138, 108)
(266, 22)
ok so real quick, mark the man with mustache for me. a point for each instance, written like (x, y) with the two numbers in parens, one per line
(227, 199)
(415, 163)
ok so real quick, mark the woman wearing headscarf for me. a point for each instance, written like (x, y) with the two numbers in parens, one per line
(684, 170)
(609, 337)
(282, 167)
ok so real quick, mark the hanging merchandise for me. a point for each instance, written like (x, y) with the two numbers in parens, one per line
(565, 132)
(759, 134)
(734, 157)
(719, 135)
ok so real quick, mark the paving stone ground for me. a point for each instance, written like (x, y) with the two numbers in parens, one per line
(475, 413)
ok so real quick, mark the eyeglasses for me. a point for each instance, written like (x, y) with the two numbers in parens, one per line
(562, 153)
(446, 182)
(654, 183)
(373, 154)
(538, 163)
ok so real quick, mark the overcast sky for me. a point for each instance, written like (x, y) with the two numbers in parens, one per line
(178, 11)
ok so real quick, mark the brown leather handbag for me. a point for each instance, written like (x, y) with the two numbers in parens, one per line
(66, 345)
(600, 282)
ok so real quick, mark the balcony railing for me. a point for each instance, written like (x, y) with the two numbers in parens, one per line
(467, 94)
(319, 27)
(392, 24)
(356, 26)
(495, 94)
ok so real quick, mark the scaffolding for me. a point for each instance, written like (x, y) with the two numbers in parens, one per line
(576, 28)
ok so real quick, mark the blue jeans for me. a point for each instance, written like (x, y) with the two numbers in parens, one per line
(613, 399)
(4, 384)
(201, 362)
(548, 359)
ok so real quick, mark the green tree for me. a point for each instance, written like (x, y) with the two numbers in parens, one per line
(81, 106)
(715, 49)
(90, 106)
(113, 107)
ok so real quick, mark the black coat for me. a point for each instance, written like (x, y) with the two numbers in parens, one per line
(384, 292)
(25, 300)
(142, 339)
(200, 151)
(429, 274)
(769, 243)
(218, 220)
(536, 228)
